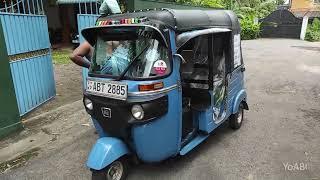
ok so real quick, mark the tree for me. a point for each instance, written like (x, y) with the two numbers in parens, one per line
(258, 8)
(204, 3)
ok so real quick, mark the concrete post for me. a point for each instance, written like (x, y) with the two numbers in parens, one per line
(304, 27)
(9, 112)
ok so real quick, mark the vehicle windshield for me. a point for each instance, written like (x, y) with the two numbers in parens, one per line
(140, 55)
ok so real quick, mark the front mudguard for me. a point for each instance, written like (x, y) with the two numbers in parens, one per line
(105, 151)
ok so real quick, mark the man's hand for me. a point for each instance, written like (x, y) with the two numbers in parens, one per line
(84, 50)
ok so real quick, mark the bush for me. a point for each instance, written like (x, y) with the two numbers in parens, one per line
(203, 3)
(313, 31)
(249, 30)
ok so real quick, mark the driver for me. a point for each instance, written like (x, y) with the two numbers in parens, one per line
(116, 60)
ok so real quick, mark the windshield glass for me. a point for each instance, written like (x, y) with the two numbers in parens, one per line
(141, 55)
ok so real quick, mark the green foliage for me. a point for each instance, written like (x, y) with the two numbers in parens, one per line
(61, 56)
(249, 30)
(313, 31)
(258, 8)
(280, 2)
(246, 10)
(212, 3)
(203, 3)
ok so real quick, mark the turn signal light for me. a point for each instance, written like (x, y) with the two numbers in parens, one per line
(151, 87)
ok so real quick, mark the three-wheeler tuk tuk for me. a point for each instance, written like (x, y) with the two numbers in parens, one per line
(159, 83)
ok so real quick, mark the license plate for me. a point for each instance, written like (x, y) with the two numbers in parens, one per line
(109, 89)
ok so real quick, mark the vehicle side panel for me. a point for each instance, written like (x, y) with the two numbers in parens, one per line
(235, 88)
(161, 138)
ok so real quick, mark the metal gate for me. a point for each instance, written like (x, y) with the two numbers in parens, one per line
(27, 39)
(281, 24)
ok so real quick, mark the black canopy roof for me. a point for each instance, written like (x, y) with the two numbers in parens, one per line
(179, 20)
(184, 20)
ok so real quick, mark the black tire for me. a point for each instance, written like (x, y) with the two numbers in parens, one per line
(234, 121)
(103, 174)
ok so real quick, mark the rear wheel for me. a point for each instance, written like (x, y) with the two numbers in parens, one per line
(118, 170)
(235, 121)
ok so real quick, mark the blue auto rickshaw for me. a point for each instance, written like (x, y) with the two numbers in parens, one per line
(160, 82)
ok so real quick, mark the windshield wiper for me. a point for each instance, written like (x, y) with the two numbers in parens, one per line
(131, 63)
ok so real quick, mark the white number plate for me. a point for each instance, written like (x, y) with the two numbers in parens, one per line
(109, 89)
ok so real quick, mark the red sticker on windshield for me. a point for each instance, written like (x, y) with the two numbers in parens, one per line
(160, 67)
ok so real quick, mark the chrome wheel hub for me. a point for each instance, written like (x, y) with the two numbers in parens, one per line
(115, 171)
(239, 118)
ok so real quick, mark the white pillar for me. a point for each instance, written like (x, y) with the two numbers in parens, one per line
(304, 27)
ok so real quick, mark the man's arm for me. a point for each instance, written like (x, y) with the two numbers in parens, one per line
(84, 50)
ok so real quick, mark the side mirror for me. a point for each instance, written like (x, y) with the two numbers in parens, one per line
(180, 57)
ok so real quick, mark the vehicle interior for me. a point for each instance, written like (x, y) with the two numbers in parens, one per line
(203, 76)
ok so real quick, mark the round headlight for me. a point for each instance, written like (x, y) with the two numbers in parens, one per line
(137, 112)
(88, 104)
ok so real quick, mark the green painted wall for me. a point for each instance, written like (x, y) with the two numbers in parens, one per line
(9, 113)
(151, 4)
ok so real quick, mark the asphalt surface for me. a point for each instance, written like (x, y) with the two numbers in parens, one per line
(279, 139)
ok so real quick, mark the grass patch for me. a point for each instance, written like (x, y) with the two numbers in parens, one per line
(19, 161)
(61, 56)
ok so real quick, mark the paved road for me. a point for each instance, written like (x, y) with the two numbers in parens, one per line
(282, 128)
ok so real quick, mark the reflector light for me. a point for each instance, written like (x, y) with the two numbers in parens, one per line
(151, 87)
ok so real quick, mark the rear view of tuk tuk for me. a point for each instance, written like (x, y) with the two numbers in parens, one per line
(160, 82)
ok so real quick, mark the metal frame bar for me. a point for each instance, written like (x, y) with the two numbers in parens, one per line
(90, 7)
(85, 8)
(24, 8)
(79, 8)
(12, 7)
(28, 7)
(33, 8)
(38, 7)
(93, 9)
(42, 10)
(5, 6)
(18, 2)
(97, 10)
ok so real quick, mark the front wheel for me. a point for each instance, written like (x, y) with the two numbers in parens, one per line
(118, 170)
(235, 121)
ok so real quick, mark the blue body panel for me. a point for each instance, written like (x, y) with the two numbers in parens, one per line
(105, 151)
(161, 138)
(205, 119)
(236, 91)
(194, 143)
(236, 94)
